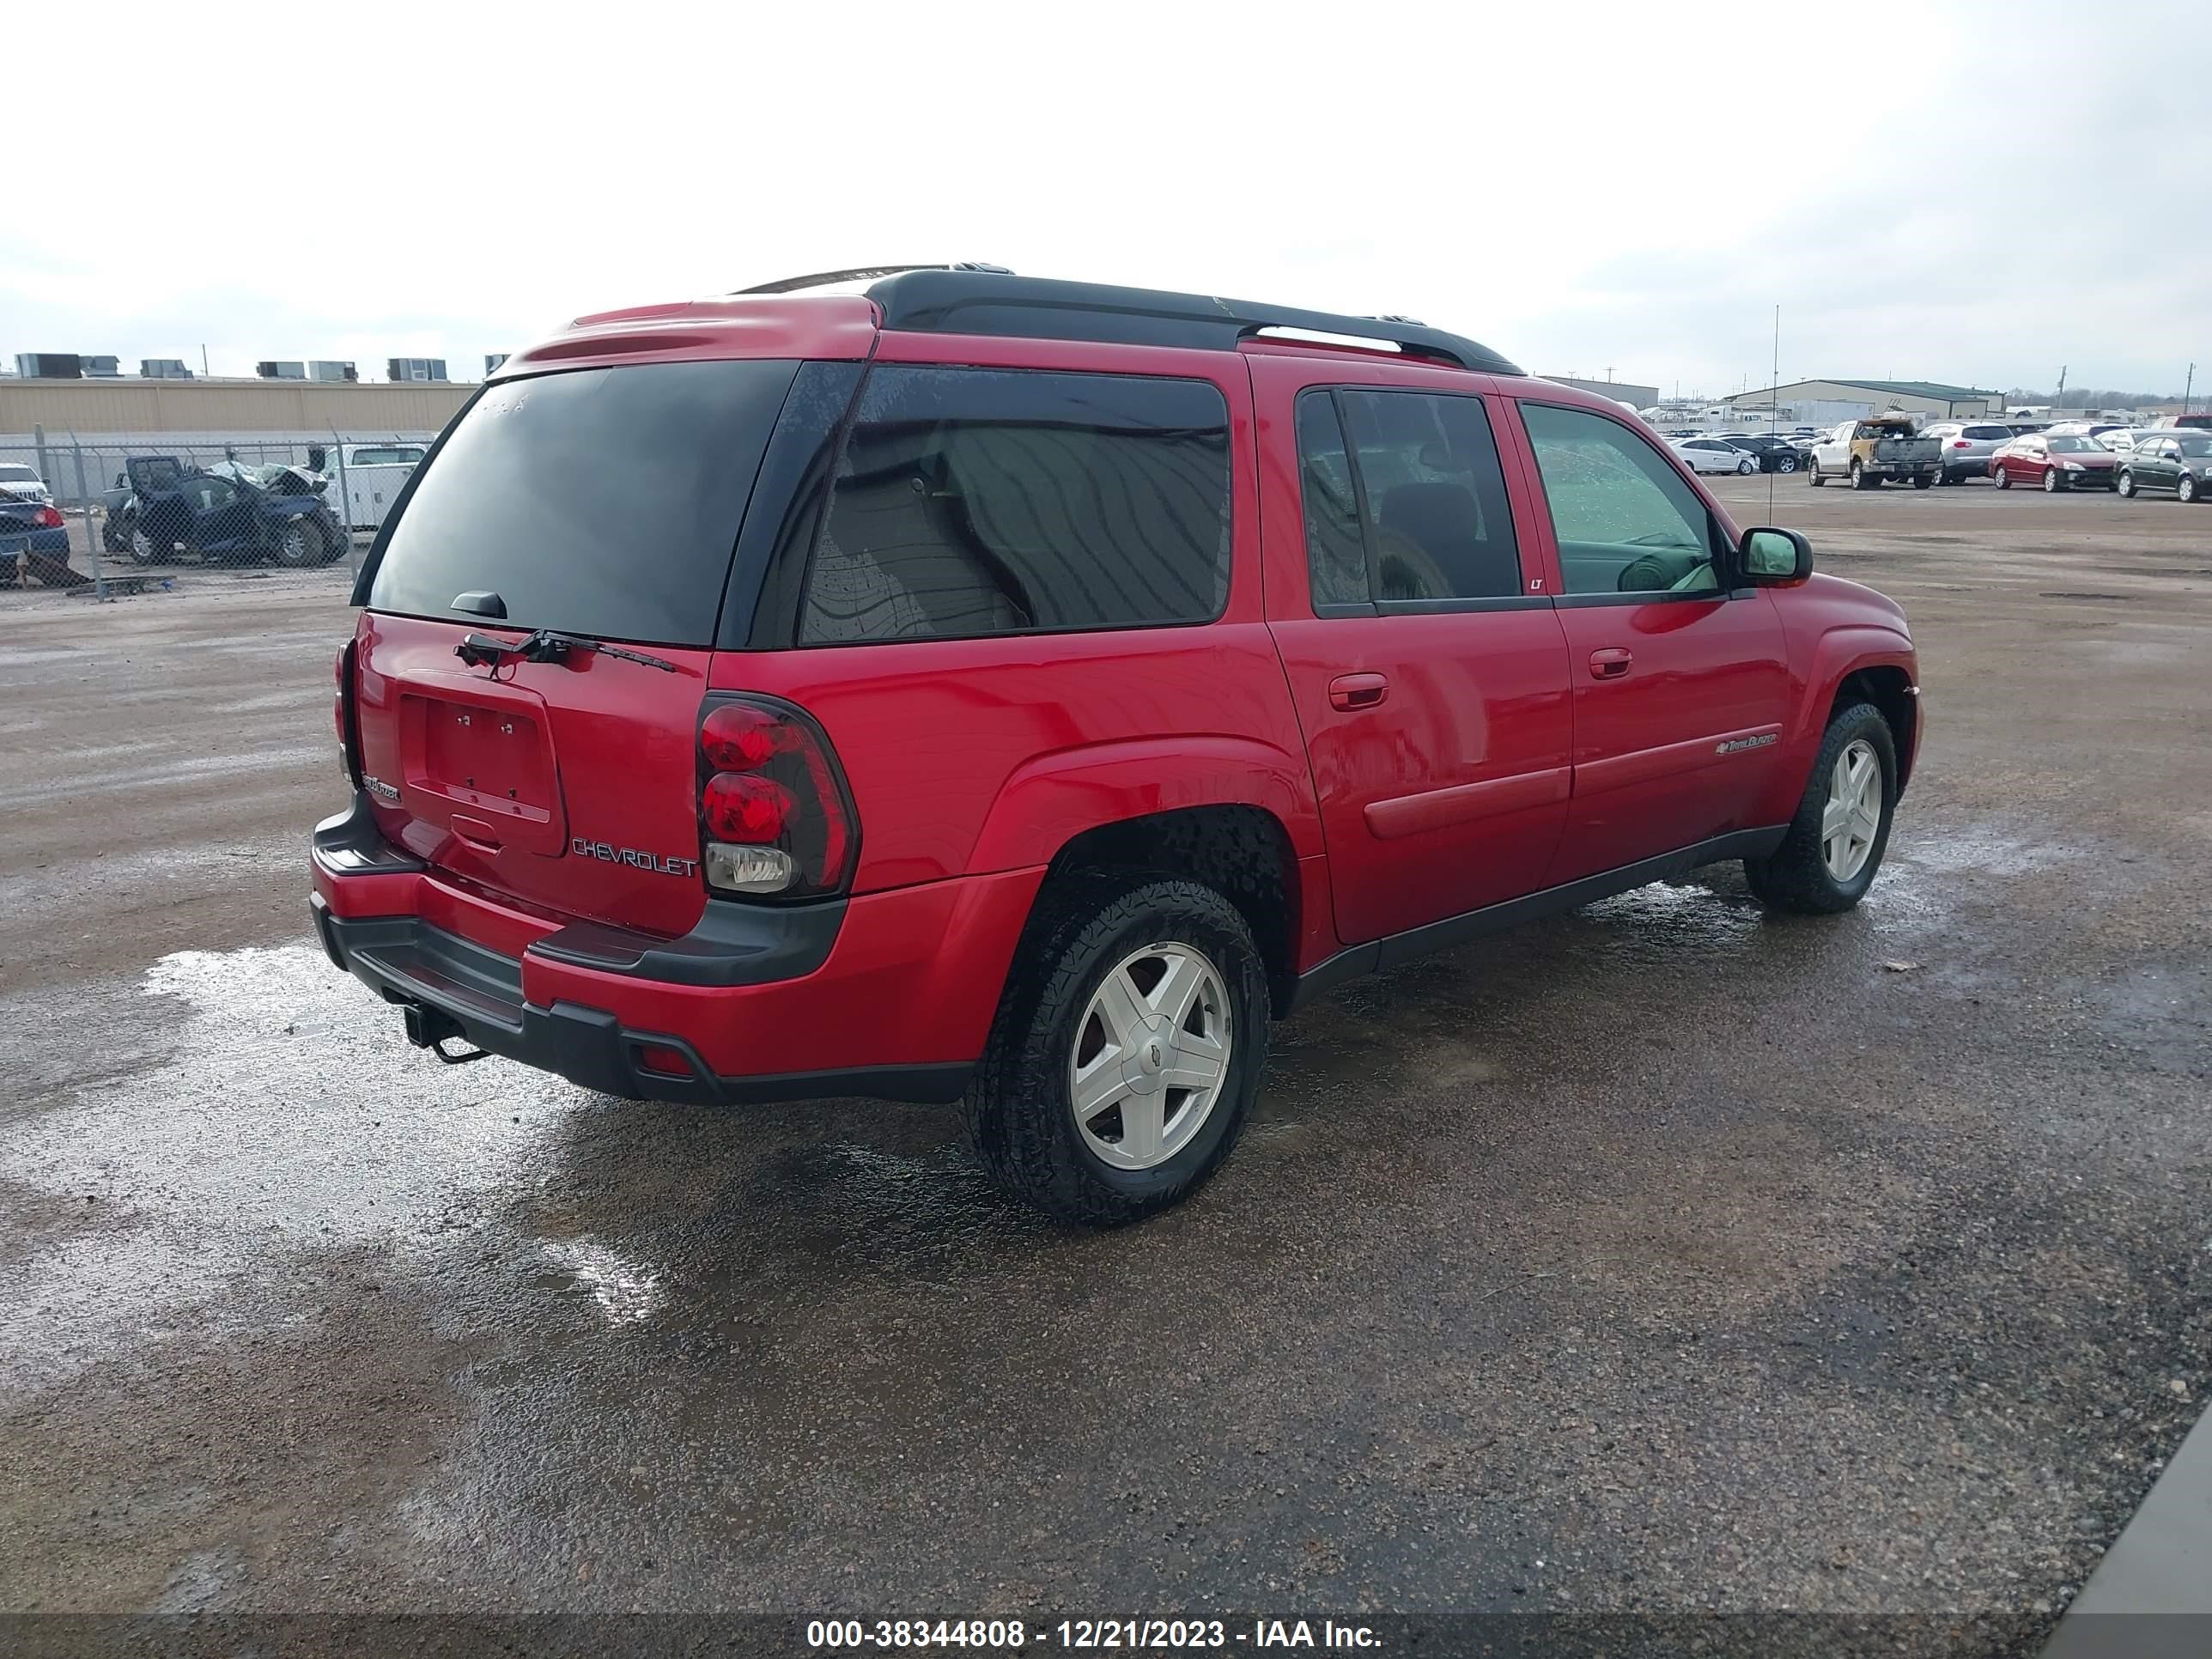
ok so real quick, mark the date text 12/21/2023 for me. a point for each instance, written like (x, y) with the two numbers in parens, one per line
(1087, 1635)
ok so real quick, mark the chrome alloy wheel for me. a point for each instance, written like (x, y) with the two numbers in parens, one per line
(1852, 817)
(1152, 1055)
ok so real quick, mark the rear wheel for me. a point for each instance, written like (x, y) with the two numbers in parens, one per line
(1835, 844)
(1125, 1051)
(300, 545)
(1785, 463)
(143, 550)
(1861, 479)
(1921, 480)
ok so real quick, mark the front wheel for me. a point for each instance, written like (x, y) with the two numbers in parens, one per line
(1125, 1052)
(2052, 484)
(1745, 466)
(2126, 485)
(300, 545)
(2187, 489)
(143, 549)
(1814, 476)
(1835, 843)
(2002, 479)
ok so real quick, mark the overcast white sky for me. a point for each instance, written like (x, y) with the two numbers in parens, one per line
(1976, 194)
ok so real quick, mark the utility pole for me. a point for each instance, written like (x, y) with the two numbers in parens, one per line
(2062, 386)
(2187, 386)
(204, 375)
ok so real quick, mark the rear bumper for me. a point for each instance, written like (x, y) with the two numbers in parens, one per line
(14, 543)
(894, 990)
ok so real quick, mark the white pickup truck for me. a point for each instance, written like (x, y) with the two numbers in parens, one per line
(372, 475)
(1872, 450)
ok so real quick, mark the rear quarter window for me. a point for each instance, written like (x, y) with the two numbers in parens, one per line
(970, 503)
(604, 501)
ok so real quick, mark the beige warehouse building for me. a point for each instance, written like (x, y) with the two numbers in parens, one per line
(1930, 398)
(104, 411)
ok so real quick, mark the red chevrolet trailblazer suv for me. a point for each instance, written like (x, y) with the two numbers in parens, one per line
(1023, 691)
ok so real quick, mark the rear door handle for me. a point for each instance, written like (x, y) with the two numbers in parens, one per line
(1357, 690)
(1611, 663)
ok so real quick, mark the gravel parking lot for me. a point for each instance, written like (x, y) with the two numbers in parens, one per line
(1667, 1256)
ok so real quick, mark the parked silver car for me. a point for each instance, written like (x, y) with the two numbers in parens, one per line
(1967, 446)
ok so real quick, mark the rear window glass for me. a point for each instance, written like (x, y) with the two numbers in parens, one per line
(1983, 432)
(603, 502)
(970, 503)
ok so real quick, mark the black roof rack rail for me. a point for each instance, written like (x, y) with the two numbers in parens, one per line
(938, 300)
(823, 278)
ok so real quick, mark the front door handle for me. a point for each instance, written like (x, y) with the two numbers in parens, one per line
(1611, 663)
(1357, 690)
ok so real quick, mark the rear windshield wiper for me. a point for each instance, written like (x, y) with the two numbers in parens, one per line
(544, 645)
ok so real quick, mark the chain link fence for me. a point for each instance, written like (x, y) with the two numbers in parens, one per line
(79, 515)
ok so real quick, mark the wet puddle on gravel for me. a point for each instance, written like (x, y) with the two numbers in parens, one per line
(290, 1116)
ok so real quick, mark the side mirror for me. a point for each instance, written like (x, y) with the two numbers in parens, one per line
(1774, 558)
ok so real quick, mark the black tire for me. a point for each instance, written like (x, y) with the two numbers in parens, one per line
(1861, 480)
(1019, 1117)
(299, 547)
(2126, 485)
(144, 549)
(1814, 476)
(2052, 482)
(1796, 877)
(2002, 478)
(2187, 489)
(1785, 463)
(1921, 480)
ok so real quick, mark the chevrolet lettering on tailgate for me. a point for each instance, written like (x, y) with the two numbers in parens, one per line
(637, 858)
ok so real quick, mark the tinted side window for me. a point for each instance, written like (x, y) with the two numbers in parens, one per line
(1625, 521)
(969, 502)
(1336, 550)
(1432, 522)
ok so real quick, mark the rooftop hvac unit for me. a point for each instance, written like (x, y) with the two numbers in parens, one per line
(50, 366)
(163, 368)
(104, 369)
(492, 361)
(416, 368)
(273, 371)
(323, 370)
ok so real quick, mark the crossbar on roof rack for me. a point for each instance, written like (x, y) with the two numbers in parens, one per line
(938, 300)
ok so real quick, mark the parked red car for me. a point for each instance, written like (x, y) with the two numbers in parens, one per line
(2054, 463)
(1021, 692)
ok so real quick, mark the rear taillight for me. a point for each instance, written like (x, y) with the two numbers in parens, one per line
(775, 818)
(49, 518)
(1961, 443)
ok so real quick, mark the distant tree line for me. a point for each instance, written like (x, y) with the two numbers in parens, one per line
(2079, 397)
